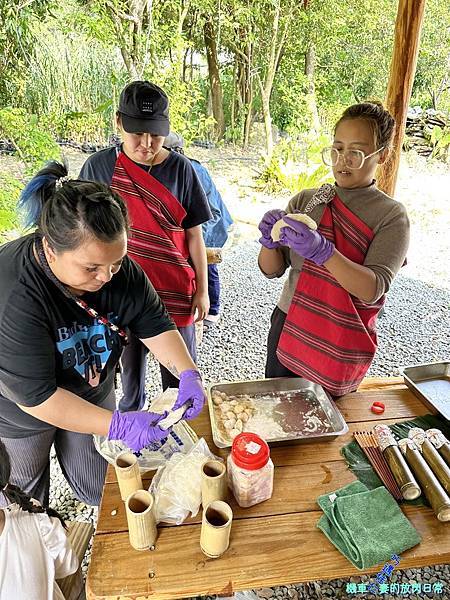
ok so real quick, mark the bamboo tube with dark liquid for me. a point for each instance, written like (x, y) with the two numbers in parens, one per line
(216, 527)
(432, 456)
(434, 492)
(440, 442)
(402, 473)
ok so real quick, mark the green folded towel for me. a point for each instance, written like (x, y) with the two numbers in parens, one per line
(367, 526)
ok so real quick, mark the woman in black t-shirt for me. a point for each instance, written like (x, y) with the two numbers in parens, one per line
(68, 299)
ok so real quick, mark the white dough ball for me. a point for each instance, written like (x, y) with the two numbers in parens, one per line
(276, 229)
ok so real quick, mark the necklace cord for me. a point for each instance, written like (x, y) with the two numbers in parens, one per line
(68, 294)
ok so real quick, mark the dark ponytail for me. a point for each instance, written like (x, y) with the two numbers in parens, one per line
(68, 211)
(15, 495)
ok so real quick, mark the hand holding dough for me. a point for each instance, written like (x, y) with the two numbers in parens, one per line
(297, 217)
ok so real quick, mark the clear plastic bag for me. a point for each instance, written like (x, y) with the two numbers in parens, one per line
(176, 487)
(181, 439)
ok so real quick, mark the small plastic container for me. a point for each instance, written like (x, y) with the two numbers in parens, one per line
(250, 469)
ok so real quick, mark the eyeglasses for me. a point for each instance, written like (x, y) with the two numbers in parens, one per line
(353, 159)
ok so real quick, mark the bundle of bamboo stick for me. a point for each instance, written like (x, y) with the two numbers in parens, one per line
(369, 445)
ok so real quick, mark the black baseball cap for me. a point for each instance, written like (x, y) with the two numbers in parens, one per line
(144, 108)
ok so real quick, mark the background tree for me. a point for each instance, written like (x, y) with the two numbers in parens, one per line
(224, 63)
(17, 38)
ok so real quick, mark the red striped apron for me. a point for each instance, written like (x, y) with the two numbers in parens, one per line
(329, 336)
(157, 241)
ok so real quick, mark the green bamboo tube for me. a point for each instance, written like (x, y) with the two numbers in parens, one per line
(434, 492)
(432, 456)
(440, 442)
(399, 467)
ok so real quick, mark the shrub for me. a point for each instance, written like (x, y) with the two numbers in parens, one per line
(296, 165)
(33, 144)
(9, 194)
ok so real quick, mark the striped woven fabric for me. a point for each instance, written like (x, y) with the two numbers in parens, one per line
(157, 240)
(329, 336)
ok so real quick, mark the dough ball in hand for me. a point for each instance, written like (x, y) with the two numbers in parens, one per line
(275, 233)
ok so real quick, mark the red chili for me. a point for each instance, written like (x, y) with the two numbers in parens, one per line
(377, 408)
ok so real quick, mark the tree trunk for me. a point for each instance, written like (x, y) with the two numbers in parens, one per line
(265, 103)
(311, 102)
(233, 100)
(277, 41)
(214, 78)
(185, 66)
(246, 89)
(128, 27)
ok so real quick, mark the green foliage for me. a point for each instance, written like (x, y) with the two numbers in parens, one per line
(67, 62)
(296, 165)
(33, 145)
(77, 126)
(17, 40)
(440, 138)
(9, 194)
(431, 85)
(185, 116)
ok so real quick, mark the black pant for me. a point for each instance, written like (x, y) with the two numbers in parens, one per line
(83, 467)
(273, 366)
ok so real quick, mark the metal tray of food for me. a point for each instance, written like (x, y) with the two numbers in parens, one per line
(431, 383)
(279, 410)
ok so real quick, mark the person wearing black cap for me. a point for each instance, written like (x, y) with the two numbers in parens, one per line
(167, 206)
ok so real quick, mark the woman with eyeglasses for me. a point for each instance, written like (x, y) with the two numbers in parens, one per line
(324, 325)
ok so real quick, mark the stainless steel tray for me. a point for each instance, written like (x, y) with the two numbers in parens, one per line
(274, 415)
(431, 383)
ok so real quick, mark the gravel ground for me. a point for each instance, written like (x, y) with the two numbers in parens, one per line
(414, 328)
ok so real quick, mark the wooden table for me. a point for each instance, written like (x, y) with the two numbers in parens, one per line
(272, 543)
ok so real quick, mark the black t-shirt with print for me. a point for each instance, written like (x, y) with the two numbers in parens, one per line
(175, 173)
(48, 341)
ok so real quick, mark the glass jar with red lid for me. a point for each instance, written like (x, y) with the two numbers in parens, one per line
(250, 469)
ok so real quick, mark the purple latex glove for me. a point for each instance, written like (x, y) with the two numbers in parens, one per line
(192, 393)
(137, 429)
(267, 222)
(305, 241)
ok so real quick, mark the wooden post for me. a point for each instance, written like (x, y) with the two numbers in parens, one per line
(403, 67)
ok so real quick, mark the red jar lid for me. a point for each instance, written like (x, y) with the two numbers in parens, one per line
(249, 451)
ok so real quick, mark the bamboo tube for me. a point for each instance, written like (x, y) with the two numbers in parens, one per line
(214, 482)
(440, 442)
(409, 487)
(141, 520)
(128, 474)
(432, 456)
(434, 492)
(216, 527)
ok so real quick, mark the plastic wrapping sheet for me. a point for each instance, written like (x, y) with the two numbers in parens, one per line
(176, 486)
(359, 464)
